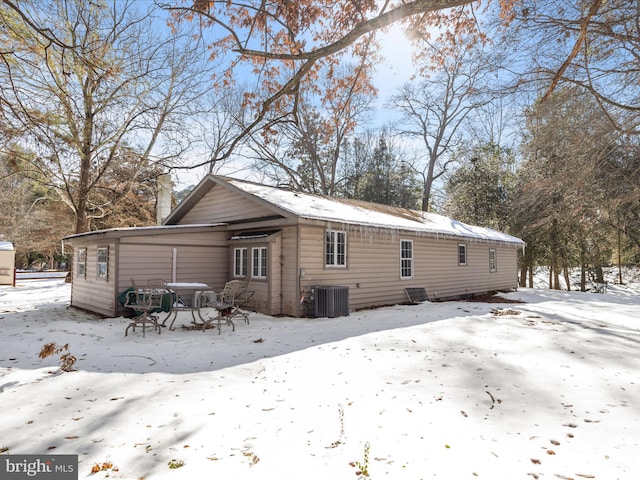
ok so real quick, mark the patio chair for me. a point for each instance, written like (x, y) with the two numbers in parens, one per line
(242, 297)
(144, 302)
(227, 303)
(219, 302)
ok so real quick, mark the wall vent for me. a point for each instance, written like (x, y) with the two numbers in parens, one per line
(332, 301)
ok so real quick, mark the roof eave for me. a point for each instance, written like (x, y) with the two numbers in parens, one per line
(113, 233)
(417, 231)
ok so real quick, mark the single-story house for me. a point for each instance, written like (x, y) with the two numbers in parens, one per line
(7, 263)
(300, 252)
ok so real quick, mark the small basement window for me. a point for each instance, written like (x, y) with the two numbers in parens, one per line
(493, 264)
(462, 254)
(103, 263)
(81, 263)
(406, 259)
(240, 262)
(335, 248)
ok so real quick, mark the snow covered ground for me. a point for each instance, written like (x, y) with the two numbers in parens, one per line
(547, 388)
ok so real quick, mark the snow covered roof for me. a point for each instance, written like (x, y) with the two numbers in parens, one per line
(6, 246)
(375, 215)
(325, 208)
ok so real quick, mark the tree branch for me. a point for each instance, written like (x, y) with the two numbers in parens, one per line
(45, 32)
(584, 24)
(368, 26)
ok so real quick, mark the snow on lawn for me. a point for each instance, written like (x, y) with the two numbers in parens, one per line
(548, 388)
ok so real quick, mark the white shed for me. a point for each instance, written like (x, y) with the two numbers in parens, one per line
(7, 263)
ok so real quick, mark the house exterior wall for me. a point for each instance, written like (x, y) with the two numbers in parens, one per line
(222, 205)
(7, 265)
(295, 260)
(437, 268)
(290, 268)
(274, 282)
(88, 291)
(373, 271)
(268, 293)
(200, 257)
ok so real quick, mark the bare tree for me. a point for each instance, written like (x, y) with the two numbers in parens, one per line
(590, 44)
(307, 151)
(288, 44)
(435, 109)
(31, 215)
(219, 117)
(80, 81)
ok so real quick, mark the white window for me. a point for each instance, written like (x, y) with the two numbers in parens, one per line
(81, 261)
(103, 263)
(335, 248)
(240, 262)
(462, 254)
(259, 255)
(493, 264)
(406, 258)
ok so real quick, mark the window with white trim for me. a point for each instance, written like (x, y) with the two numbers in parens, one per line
(406, 258)
(462, 254)
(240, 262)
(103, 263)
(81, 262)
(335, 248)
(493, 264)
(259, 256)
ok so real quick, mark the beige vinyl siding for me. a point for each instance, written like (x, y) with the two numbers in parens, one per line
(437, 268)
(274, 276)
(91, 293)
(139, 262)
(290, 290)
(373, 266)
(221, 205)
(201, 257)
(7, 266)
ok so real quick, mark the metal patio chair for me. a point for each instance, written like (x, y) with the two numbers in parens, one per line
(144, 302)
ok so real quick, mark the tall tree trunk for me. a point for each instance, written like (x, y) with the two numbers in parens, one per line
(524, 267)
(583, 266)
(556, 276)
(555, 249)
(567, 277)
(82, 221)
(597, 264)
(619, 257)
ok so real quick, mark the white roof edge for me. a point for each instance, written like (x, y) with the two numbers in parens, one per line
(480, 233)
(6, 246)
(143, 229)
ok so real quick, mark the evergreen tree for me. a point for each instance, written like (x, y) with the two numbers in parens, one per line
(382, 177)
(480, 191)
(561, 195)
